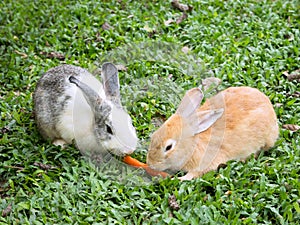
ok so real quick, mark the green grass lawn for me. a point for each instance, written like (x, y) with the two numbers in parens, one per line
(244, 42)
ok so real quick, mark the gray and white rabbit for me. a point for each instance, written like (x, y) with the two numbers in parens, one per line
(71, 105)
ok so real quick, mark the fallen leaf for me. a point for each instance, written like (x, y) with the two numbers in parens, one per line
(98, 37)
(19, 168)
(6, 211)
(43, 166)
(181, 7)
(181, 18)
(228, 193)
(121, 67)
(277, 105)
(295, 75)
(286, 73)
(151, 31)
(4, 130)
(3, 189)
(22, 54)
(106, 26)
(53, 55)
(289, 37)
(296, 94)
(168, 22)
(185, 49)
(148, 29)
(291, 127)
(173, 203)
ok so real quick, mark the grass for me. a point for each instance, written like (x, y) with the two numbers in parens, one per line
(243, 42)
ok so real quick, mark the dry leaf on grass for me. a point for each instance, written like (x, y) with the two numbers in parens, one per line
(43, 166)
(168, 22)
(173, 203)
(181, 18)
(22, 54)
(277, 105)
(295, 75)
(291, 127)
(18, 168)
(181, 7)
(121, 67)
(6, 211)
(185, 49)
(296, 94)
(151, 31)
(106, 26)
(4, 130)
(289, 37)
(228, 193)
(53, 55)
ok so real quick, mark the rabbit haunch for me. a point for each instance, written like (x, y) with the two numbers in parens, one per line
(72, 105)
(231, 125)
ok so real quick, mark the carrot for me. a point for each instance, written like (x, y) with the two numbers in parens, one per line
(136, 163)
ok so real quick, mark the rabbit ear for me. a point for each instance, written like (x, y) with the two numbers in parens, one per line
(110, 81)
(202, 120)
(190, 102)
(90, 95)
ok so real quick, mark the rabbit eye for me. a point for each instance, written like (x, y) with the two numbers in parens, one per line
(170, 144)
(109, 130)
(169, 147)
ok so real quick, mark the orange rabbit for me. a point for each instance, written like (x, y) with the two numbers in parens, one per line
(231, 125)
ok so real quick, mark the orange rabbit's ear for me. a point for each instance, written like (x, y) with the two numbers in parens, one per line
(202, 120)
(190, 102)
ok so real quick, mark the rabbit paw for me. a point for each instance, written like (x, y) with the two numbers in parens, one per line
(60, 142)
(188, 176)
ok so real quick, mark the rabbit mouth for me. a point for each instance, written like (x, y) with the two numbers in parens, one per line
(160, 167)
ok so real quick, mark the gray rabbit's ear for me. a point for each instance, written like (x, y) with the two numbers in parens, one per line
(110, 81)
(90, 95)
(190, 102)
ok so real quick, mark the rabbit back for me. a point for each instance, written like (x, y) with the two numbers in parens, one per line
(60, 108)
(231, 125)
(248, 125)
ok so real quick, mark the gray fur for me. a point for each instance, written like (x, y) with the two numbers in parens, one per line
(90, 95)
(68, 108)
(111, 82)
(47, 104)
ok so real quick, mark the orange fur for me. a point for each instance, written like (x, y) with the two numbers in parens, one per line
(247, 125)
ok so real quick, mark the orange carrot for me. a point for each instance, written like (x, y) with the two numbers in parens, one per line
(136, 163)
